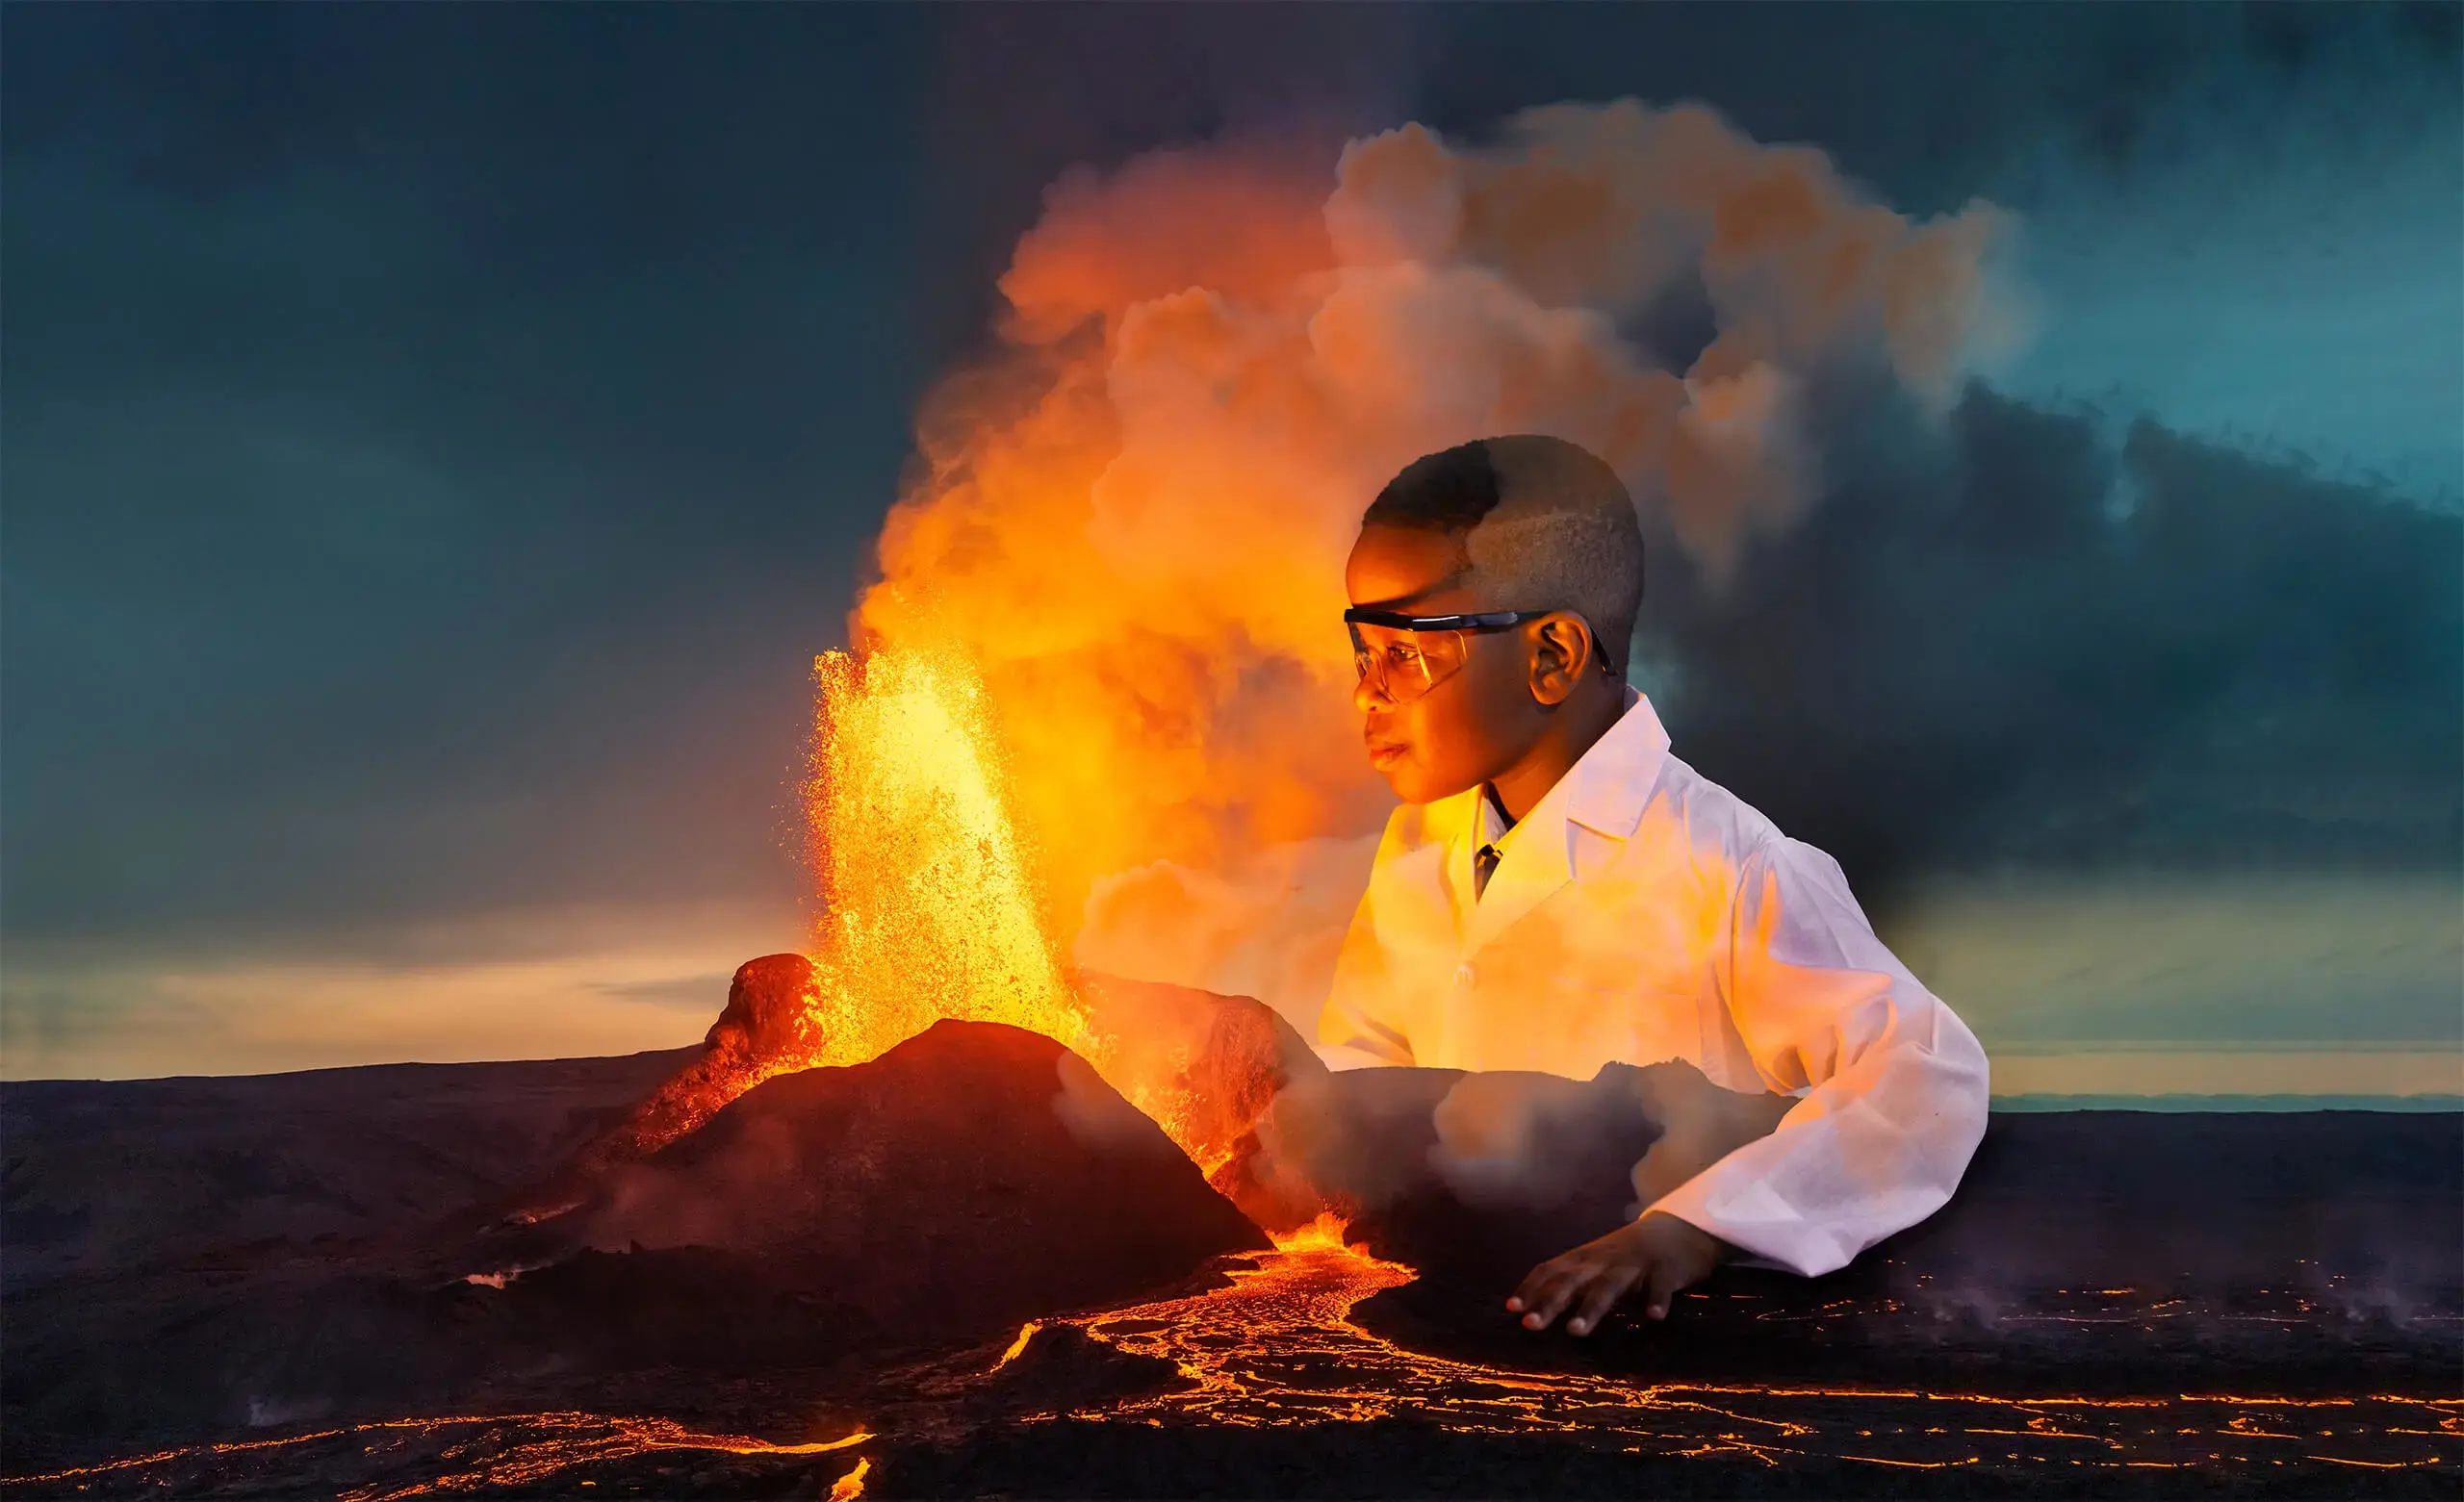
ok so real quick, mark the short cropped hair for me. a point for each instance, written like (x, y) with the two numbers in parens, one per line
(1545, 526)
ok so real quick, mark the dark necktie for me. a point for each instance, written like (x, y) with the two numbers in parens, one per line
(1484, 864)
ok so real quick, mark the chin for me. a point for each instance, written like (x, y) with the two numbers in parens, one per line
(1413, 785)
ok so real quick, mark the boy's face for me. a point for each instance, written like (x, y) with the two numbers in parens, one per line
(1475, 723)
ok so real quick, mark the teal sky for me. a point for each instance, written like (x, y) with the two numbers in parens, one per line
(437, 439)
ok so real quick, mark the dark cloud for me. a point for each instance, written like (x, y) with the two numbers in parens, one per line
(438, 442)
(435, 449)
(2030, 640)
(1931, 104)
(436, 439)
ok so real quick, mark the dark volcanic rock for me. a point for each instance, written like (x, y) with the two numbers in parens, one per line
(2314, 1252)
(973, 1174)
(790, 1261)
(1064, 1369)
(768, 1009)
(107, 1178)
(972, 1178)
(768, 1002)
(1422, 1459)
(1220, 1058)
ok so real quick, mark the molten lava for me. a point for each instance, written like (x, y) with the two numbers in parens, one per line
(1280, 1346)
(452, 1455)
(932, 905)
(930, 909)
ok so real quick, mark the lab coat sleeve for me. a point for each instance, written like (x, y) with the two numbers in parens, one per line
(1893, 1084)
(1360, 1025)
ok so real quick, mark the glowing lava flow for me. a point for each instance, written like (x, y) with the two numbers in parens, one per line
(1267, 1336)
(499, 1450)
(849, 1486)
(1279, 1346)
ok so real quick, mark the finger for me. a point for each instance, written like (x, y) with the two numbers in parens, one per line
(1526, 1294)
(1666, 1280)
(1555, 1298)
(1534, 1292)
(1600, 1297)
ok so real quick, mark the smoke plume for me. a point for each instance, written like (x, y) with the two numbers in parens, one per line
(1135, 508)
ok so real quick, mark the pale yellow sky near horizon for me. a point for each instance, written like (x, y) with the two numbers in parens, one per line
(2290, 985)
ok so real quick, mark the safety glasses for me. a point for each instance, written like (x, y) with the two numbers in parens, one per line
(1407, 656)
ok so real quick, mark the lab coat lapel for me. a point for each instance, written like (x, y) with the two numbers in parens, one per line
(1603, 792)
(1534, 867)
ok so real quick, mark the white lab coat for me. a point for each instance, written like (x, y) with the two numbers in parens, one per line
(1642, 912)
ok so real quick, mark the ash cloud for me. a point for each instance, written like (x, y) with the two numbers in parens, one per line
(1135, 512)
(439, 439)
(2012, 639)
(2040, 638)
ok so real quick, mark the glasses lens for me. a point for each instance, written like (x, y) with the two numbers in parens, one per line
(1404, 665)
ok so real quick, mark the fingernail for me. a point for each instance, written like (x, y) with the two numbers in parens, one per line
(1515, 1305)
(1531, 1321)
(1659, 1312)
(1577, 1325)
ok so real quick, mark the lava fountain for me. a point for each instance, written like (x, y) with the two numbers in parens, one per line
(930, 909)
(930, 905)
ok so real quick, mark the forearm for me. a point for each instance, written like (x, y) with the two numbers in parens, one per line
(1870, 1151)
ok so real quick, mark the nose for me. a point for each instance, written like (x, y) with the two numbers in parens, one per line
(1369, 695)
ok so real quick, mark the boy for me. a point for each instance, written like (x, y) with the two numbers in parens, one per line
(1559, 893)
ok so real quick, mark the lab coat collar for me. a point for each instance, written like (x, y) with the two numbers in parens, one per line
(1603, 792)
(1609, 784)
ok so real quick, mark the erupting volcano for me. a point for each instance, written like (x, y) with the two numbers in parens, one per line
(932, 912)
(932, 906)
(1020, 1180)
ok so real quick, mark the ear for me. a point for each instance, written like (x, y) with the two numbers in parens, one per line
(1561, 652)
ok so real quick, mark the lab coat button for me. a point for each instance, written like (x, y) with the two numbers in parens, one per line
(1462, 974)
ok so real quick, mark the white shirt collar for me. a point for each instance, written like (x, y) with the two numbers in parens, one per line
(1489, 825)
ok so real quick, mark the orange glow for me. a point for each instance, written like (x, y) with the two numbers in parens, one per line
(930, 906)
(849, 1486)
(1326, 1234)
(1026, 1333)
(501, 1450)
(1280, 1345)
(1105, 639)
(933, 903)
(1133, 514)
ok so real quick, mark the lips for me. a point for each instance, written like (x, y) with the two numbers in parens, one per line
(1380, 752)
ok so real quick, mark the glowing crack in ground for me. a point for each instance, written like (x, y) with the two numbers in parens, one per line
(499, 1450)
(1279, 1346)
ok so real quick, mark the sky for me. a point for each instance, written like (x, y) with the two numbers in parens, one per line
(435, 441)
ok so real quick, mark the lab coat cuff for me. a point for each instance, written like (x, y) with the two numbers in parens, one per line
(1766, 1230)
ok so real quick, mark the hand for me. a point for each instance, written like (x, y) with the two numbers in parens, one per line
(1658, 1253)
